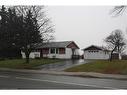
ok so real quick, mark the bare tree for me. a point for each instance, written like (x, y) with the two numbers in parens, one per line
(118, 10)
(44, 24)
(116, 42)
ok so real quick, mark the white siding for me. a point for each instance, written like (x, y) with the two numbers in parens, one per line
(32, 54)
(77, 52)
(96, 55)
(67, 55)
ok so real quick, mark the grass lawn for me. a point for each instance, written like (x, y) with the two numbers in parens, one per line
(20, 63)
(102, 66)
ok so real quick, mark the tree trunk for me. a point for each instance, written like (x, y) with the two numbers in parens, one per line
(112, 53)
(41, 53)
(27, 56)
(27, 59)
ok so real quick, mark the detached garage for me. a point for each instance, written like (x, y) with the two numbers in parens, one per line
(96, 52)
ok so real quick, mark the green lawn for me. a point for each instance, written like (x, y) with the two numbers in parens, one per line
(102, 66)
(20, 63)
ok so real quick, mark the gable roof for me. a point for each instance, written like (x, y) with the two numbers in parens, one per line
(94, 47)
(61, 44)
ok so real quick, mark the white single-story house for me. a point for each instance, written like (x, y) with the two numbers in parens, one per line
(61, 50)
(96, 52)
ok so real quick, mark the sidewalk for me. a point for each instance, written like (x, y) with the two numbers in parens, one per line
(79, 74)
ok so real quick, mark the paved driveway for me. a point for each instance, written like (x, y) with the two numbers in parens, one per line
(59, 66)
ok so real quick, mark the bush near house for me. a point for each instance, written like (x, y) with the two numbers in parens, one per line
(20, 63)
(102, 66)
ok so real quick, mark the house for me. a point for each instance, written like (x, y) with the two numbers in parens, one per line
(124, 57)
(96, 52)
(61, 50)
(115, 55)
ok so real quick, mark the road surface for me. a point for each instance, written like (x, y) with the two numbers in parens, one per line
(16, 80)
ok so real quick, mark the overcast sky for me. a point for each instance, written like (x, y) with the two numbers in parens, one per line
(86, 25)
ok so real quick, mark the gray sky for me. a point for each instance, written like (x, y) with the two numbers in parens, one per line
(86, 25)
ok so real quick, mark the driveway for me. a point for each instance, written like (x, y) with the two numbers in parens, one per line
(60, 66)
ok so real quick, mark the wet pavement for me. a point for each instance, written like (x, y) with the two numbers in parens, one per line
(20, 80)
(60, 66)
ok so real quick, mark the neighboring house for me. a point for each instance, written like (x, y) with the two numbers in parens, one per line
(124, 57)
(62, 50)
(115, 56)
(96, 52)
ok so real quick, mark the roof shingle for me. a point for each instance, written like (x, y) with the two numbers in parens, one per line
(61, 44)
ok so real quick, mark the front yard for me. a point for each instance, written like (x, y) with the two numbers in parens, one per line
(102, 66)
(20, 63)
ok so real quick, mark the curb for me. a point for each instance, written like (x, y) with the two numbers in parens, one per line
(78, 74)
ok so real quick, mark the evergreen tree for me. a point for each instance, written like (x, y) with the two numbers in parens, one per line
(21, 27)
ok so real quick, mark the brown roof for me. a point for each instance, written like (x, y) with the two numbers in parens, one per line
(94, 47)
(61, 44)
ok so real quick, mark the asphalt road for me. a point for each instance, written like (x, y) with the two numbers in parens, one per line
(16, 80)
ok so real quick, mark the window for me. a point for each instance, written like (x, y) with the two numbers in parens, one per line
(93, 51)
(52, 50)
(96, 50)
(61, 50)
(57, 50)
(45, 50)
(106, 52)
(89, 51)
